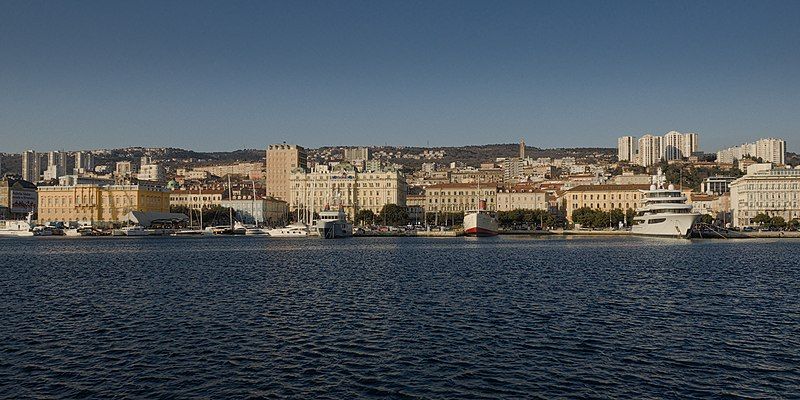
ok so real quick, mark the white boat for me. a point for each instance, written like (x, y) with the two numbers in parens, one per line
(255, 231)
(236, 229)
(186, 232)
(333, 225)
(293, 230)
(134, 230)
(664, 211)
(85, 230)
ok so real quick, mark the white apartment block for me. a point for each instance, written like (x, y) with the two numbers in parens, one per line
(769, 150)
(626, 149)
(651, 149)
(774, 191)
(152, 172)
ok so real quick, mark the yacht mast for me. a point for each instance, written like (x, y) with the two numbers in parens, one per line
(230, 198)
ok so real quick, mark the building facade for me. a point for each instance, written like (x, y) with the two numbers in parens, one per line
(152, 173)
(769, 150)
(31, 169)
(459, 197)
(626, 149)
(775, 192)
(99, 204)
(196, 199)
(264, 211)
(343, 186)
(651, 150)
(282, 160)
(84, 162)
(603, 197)
(18, 197)
(353, 154)
(521, 198)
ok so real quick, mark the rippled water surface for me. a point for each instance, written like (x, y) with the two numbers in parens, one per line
(399, 317)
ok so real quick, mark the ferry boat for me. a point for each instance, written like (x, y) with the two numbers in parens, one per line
(480, 222)
(294, 230)
(333, 225)
(664, 211)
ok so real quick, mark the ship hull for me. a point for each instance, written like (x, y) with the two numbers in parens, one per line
(665, 225)
(480, 224)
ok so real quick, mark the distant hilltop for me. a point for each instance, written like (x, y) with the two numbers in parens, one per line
(405, 155)
(409, 156)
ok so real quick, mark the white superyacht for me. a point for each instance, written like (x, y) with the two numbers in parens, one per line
(664, 211)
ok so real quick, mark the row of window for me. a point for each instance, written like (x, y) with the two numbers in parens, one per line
(772, 186)
(626, 206)
(619, 197)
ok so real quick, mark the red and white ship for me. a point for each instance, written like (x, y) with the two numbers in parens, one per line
(480, 222)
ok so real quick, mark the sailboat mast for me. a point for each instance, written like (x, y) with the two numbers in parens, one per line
(200, 199)
(253, 204)
(230, 198)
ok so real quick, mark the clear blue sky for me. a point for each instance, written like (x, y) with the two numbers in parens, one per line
(224, 75)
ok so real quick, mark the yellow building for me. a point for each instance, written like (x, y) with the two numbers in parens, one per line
(603, 197)
(282, 160)
(99, 204)
(196, 199)
(459, 197)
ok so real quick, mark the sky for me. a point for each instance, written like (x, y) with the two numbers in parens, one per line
(224, 75)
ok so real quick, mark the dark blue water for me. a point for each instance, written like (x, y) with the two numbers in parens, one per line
(406, 317)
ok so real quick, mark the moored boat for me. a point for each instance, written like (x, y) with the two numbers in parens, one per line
(293, 230)
(480, 222)
(333, 225)
(664, 211)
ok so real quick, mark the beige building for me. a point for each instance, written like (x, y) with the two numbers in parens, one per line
(152, 173)
(459, 197)
(471, 175)
(282, 160)
(775, 192)
(261, 210)
(99, 204)
(521, 198)
(195, 198)
(342, 185)
(710, 204)
(603, 197)
(249, 170)
(415, 205)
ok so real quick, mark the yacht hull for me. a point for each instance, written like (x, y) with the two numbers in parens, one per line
(665, 225)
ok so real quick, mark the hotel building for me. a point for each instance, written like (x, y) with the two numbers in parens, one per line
(342, 185)
(773, 191)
